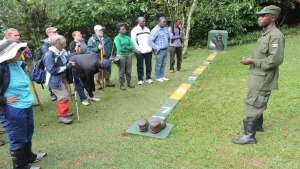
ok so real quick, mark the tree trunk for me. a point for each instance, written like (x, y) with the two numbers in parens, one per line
(188, 27)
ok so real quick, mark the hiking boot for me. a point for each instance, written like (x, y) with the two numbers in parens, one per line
(85, 102)
(122, 87)
(109, 84)
(53, 97)
(99, 87)
(65, 120)
(39, 157)
(130, 85)
(68, 115)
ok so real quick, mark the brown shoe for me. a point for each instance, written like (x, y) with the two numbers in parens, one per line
(99, 87)
(130, 85)
(180, 70)
(109, 84)
(122, 87)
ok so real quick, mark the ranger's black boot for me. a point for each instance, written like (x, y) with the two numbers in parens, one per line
(249, 133)
(259, 123)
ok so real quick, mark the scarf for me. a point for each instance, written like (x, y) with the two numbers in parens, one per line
(62, 54)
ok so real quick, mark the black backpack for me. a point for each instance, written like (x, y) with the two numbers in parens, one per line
(38, 54)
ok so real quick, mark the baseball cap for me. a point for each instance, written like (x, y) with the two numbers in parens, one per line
(272, 9)
(104, 63)
(51, 29)
(98, 27)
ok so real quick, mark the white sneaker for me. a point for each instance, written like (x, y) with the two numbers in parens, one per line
(85, 102)
(160, 80)
(149, 81)
(165, 79)
(95, 99)
(140, 82)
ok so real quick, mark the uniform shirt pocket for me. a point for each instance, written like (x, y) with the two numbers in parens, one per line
(263, 47)
(256, 79)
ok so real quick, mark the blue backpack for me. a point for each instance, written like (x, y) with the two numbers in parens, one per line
(38, 72)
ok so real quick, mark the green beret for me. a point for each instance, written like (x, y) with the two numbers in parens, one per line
(272, 9)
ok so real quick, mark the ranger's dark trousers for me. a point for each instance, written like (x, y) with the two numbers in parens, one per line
(256, 103)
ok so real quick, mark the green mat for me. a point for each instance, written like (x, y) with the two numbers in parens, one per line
(134, 129)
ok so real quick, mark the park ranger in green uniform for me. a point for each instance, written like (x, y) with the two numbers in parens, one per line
(263, 74)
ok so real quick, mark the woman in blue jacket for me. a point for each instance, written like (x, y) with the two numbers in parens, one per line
(56, 61)
(16, 115)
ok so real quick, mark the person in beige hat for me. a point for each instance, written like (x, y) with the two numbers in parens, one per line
(97, 43)
(46, 43)
(16, 114)
(263, 74)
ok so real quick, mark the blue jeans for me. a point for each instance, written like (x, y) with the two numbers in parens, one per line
(81, 87)
(161, 60)
(18, 125)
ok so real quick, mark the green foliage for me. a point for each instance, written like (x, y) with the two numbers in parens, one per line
(253, 36)
(29, 17)
(32, 17)
(234, 16)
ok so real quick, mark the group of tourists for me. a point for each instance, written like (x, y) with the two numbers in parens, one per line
(84, 64)
(87, 63)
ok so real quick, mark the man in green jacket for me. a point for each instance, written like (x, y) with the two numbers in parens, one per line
(263, 74)
(99, 41)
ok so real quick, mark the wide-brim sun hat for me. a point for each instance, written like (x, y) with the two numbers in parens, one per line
(9, 49)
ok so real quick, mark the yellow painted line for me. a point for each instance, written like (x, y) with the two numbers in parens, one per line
(200, 69)
(180, 92)
(211, 56)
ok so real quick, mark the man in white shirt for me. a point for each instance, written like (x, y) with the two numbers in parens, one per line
(140, 36)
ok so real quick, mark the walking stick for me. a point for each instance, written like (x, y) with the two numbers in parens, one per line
(32, 84)
(36, 95)
(102, 70)
(70, 91)
(77, 112)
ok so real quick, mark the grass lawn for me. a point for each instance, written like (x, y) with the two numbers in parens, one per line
(205, 121)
